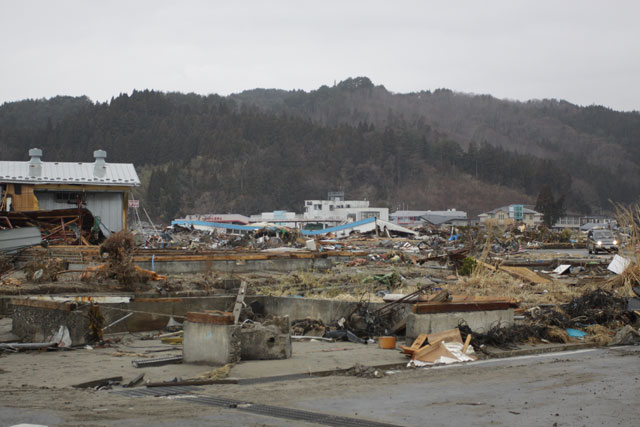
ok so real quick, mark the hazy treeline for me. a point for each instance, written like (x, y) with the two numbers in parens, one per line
(267, 149)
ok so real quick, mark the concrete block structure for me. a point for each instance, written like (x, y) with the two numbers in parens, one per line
(344, 210)
(266, 341)
(208, 343)
(480, 321)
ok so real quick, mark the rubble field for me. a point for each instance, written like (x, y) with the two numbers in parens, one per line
(353, 307)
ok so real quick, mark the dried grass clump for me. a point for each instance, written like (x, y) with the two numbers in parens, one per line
(558, 334)
(628, 218)
(217, 373)
(5, 264)
(502, 284)
(44, 270)
(624, 282)
(600, 335)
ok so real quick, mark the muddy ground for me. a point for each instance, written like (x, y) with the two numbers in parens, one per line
(582, 388)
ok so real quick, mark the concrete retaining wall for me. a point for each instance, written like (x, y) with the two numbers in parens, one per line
(479, 321)
(34, 324)
(240, 266)
(328, 311)
(151, 314)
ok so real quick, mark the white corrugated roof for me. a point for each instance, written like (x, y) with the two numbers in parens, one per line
(123, 174)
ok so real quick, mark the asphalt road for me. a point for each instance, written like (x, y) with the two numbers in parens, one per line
(581, 388)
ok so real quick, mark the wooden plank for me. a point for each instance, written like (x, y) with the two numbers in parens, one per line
(485, 265)
(523, 273)
(406, 350)
(450, 307)
(172, 340)
(237, 308)
(163, 300)
(419, 341)
(417, 344)
(470, 298)
(450, 335)
(466, 344)
(425, 350)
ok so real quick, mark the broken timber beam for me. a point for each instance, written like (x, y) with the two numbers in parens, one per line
(449, 307)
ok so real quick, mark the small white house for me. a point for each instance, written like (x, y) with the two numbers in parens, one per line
(509, 213)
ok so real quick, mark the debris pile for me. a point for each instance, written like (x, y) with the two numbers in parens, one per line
(598, 312)
(118, 251)
(58, 227)
(362, 371)
(44, 270)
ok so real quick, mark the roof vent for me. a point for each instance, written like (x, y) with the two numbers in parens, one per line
(35, 164)
(100, 166)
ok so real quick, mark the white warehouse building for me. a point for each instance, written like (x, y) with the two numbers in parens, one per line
(336, 208)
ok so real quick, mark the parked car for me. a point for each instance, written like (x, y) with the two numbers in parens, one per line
(601, 241)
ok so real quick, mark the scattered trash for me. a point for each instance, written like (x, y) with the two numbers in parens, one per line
(100, 384)
(362, 371)
(575, 333)
(62, 337)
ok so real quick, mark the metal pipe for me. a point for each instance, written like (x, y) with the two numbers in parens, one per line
(27, 346)
(117, 321)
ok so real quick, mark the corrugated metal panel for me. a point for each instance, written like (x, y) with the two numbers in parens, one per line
(216, 225)
(69, 173)
(47, 201)
(339, 227)
(107, 206)
(18, 238)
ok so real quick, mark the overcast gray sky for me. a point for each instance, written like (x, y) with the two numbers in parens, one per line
(587, 52)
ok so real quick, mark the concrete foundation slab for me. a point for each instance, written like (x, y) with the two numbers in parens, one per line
(211, 344)
(480, 321)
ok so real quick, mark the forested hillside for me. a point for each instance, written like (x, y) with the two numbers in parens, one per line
(268, 149)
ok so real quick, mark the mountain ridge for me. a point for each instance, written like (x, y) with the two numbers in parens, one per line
(266, 149)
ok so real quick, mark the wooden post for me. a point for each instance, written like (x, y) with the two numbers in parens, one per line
(237, 308)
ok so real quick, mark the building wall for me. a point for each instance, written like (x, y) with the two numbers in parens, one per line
(502, 216)
(407, 221)
(21, 196)
(106, 205)
(568, 221)
(355, 210)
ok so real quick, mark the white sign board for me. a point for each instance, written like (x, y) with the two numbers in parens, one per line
(562, 268)
(134, 203)
(618, 264)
